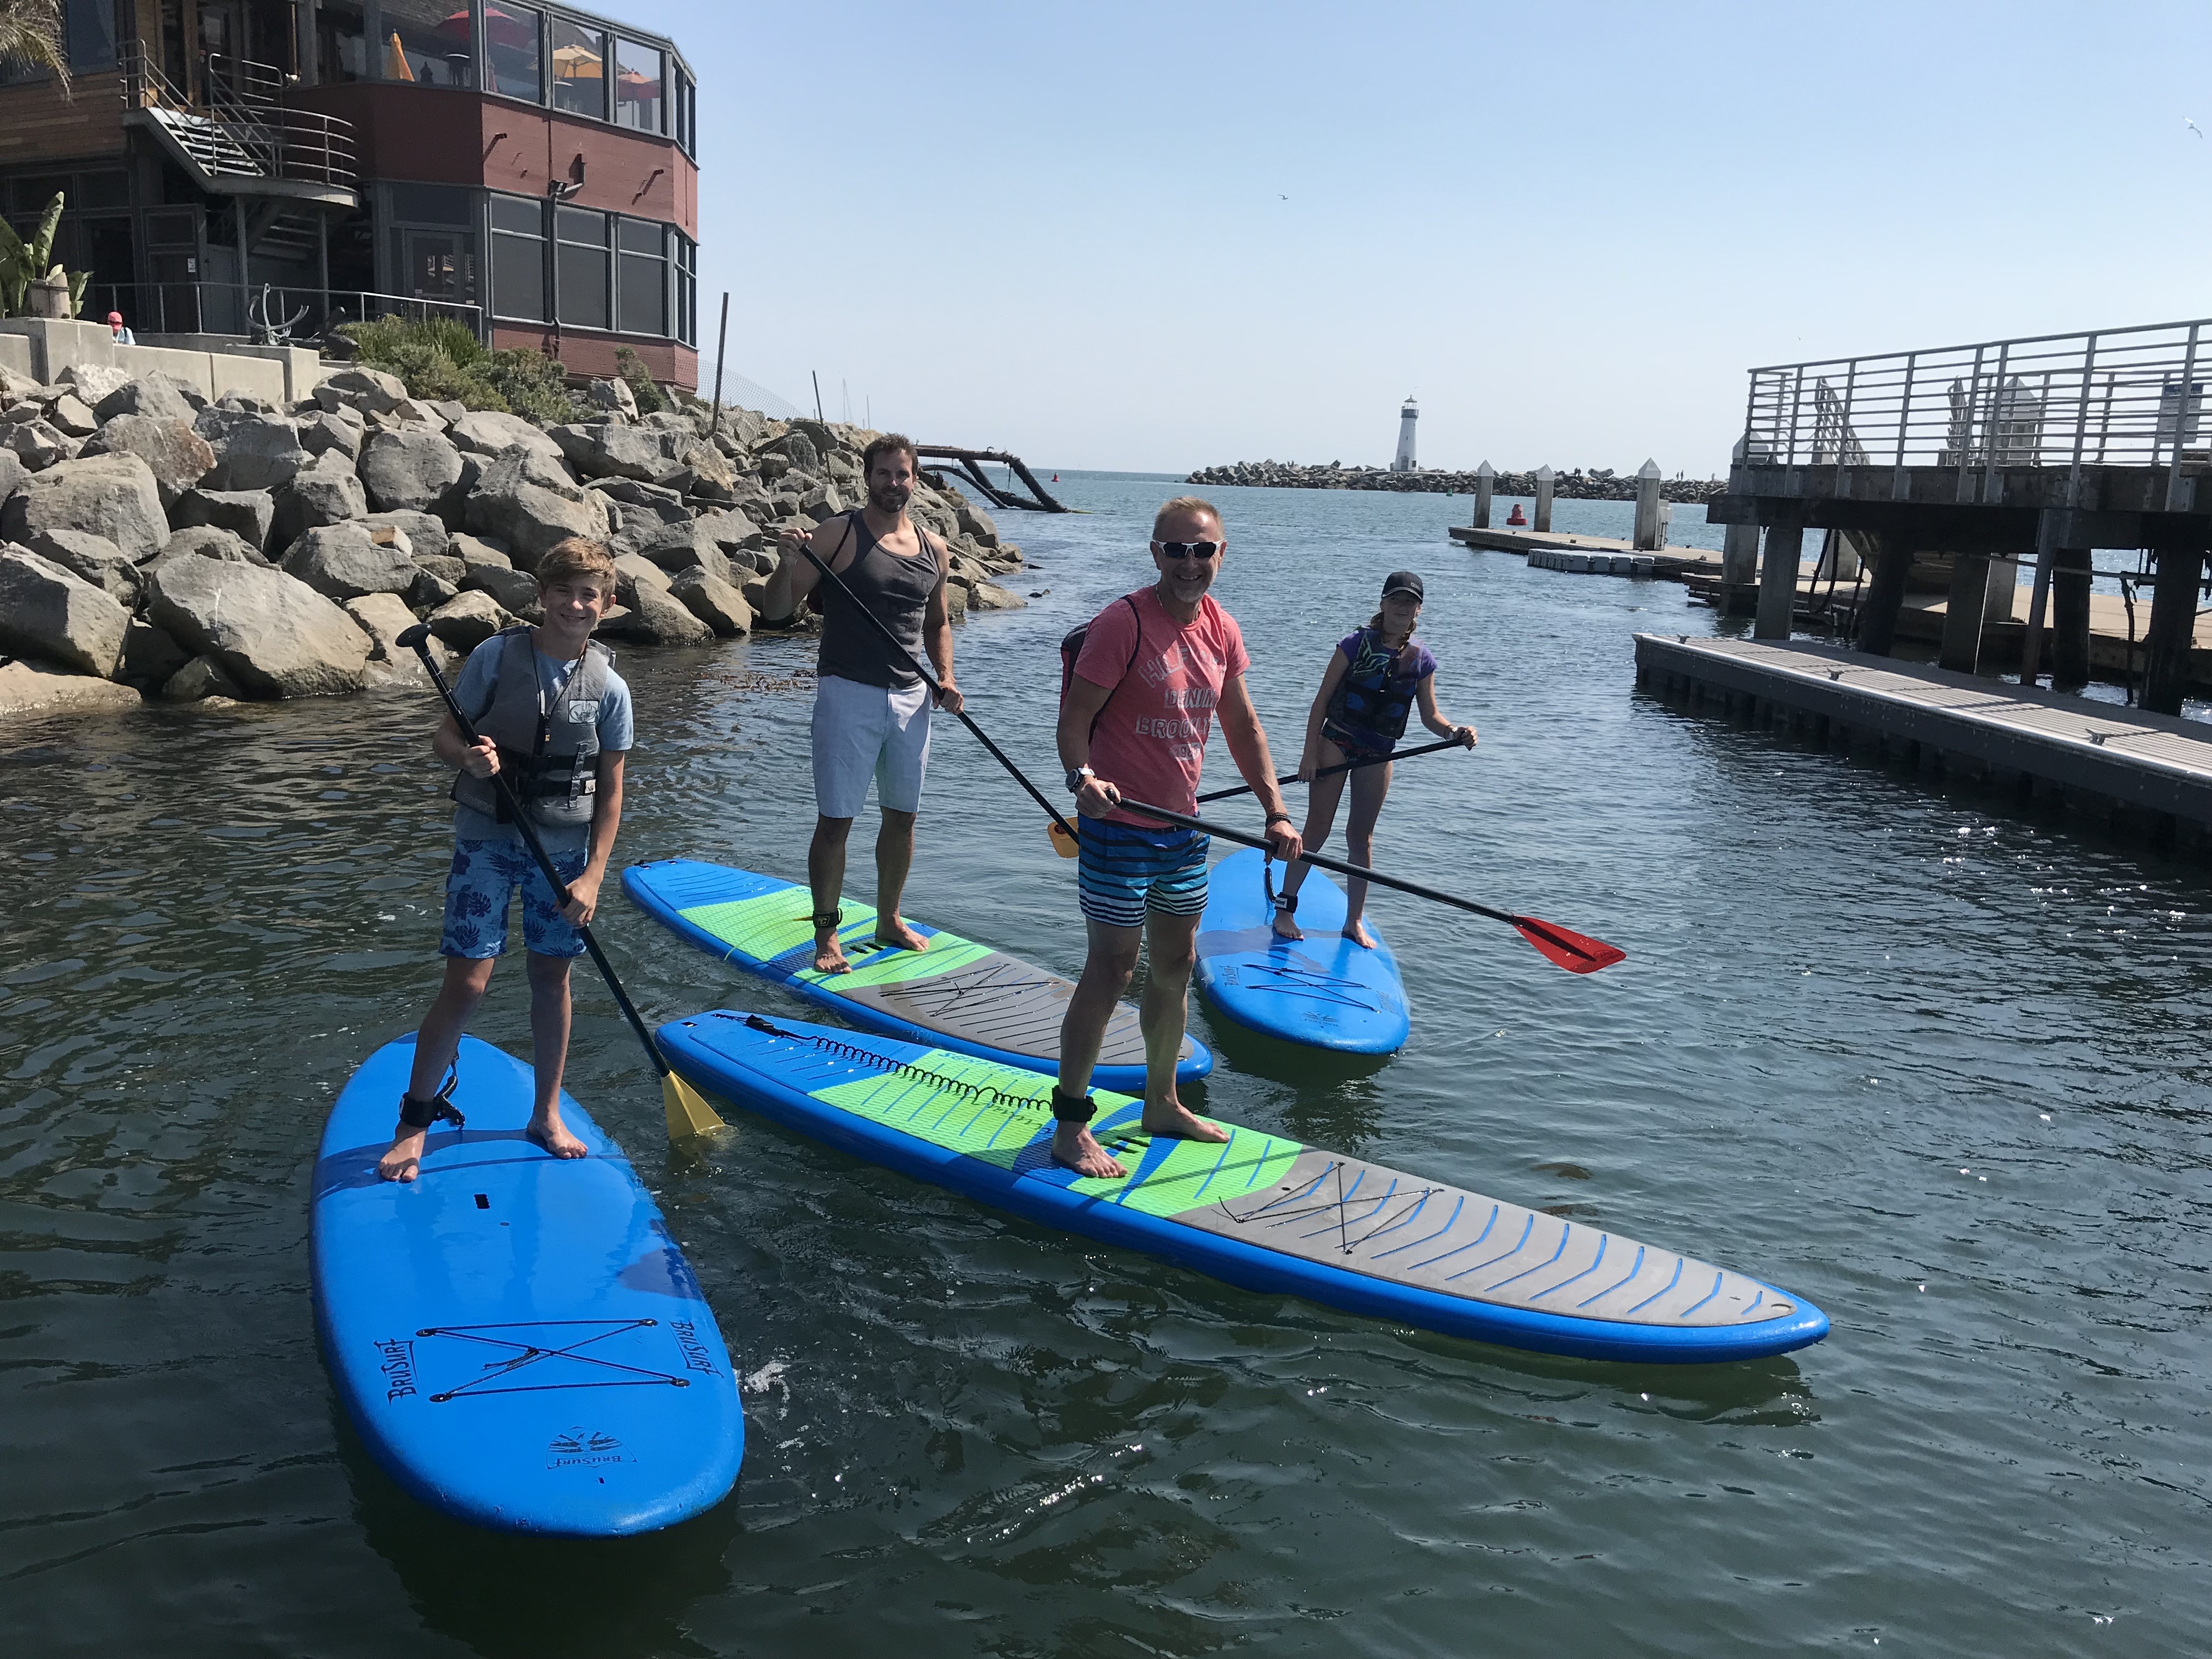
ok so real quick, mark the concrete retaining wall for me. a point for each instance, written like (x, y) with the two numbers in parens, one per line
(42, 347)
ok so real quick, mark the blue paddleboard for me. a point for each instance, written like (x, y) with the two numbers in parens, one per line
(1323, 990)
(517, 1337)
(955, 994)
(1260, 1212)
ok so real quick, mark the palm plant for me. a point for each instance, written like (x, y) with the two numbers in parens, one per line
(31, 37)
(22, 264)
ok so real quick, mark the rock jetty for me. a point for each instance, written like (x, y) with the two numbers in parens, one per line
(1600, 485)
(155, 544)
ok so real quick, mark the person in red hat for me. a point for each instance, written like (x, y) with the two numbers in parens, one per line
(115, 326)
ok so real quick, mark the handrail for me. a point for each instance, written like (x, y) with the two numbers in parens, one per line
(243, 136)
(2128, 397)
(189, 308)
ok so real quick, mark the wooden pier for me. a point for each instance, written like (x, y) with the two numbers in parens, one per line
(2045, 743)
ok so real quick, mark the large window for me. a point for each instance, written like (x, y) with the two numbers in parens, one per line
(580, 69)
(511, 52)
(582, 259)
(643, 290)
(518, 258)
(341, 42)
(427, 42)
(91, 27)
(686, 111)
(637, 86)
(686, 288)
(433, 244)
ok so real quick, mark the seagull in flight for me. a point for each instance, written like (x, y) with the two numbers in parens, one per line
(2186, 121)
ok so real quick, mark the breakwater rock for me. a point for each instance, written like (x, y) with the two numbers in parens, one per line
(1600, 485)
(155, 544)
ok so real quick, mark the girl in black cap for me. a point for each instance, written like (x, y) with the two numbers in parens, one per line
(1375, 676)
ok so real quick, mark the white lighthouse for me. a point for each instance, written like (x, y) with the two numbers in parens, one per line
(1403, 461)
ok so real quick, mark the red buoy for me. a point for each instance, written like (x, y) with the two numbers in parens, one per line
(1516, 518)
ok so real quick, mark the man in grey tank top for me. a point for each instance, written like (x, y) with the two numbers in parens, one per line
(871, 708)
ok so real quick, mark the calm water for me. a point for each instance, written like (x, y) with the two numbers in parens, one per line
(1934, 1065)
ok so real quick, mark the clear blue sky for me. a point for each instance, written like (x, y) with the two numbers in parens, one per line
(1567, 229)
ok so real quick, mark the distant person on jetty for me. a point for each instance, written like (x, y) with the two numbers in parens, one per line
(871, 708)
(119, 331)
(1136, 707)
(1375, 677)
(552, 714)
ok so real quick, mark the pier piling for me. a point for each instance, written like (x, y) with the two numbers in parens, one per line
(1777, 581)
(1485, 478)
(1544, 477)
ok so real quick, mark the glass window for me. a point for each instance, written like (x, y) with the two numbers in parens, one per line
(687, 288)
(687, 114)
(637, 86)
(31, 195)
(425, 41)
(341, 42)
(644, 273)
(511, 51)
(580, 69)
(581, 261)
(102, 190)
(91, 25)
(518, 258)
(430, 204)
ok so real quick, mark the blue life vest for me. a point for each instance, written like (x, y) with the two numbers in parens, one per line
(1374, 697)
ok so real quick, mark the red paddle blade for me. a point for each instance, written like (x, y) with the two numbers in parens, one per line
(1578, 953)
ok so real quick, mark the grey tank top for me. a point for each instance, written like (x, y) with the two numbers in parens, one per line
(896, 591)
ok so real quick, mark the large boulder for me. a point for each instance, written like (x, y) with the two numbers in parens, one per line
(682, 546)
(384, 617)
(249, 514)
(474, 552)
(28, 689)
(634, 571)
(55, 615)
(799, 452)
(200, 679)
(92, 382)
(344, 433)
(157, 396)
(989, 596)
(36, 445)
(657, 616)
(613, 394)
(370, 389)
(426, 532)
(71, 416)
(467, 620)
(325, 494)
(12, 473)
(607, 450)
(253, 450)
(487, 431)
(713, 602)
(408, 470)
(204, 541)
(514, 590)
(977, 523)
(110, 495)
(94, 558)
(342, 561)
(178, 456)
(528, 502)
(271, 633)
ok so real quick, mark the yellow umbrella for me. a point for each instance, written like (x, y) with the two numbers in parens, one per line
(576, 64)
(396, 66)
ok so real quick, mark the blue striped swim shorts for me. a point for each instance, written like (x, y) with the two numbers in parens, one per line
(1125, 872)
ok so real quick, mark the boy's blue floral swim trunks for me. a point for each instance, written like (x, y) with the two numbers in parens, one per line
(482, 881)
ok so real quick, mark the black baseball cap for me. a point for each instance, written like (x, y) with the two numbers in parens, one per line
(1403, 581)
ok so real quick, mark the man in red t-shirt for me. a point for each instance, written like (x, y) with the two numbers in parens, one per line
(1156, 666)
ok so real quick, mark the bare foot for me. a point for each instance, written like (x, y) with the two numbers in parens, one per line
(405, 1159)
(1285, 927)
(891, 931)
(1355, 931)
(553, 1135)
(1178, 1120)
(829, 954)
(1074, 1145)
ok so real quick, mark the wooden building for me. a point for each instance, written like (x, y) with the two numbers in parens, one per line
(528, 168)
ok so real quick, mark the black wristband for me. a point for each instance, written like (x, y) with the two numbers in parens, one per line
(1279, 818)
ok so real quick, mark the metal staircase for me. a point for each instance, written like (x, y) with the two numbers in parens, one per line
(241, 139)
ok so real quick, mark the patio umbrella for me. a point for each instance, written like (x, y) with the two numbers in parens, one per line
(499, 29)
(396, 66)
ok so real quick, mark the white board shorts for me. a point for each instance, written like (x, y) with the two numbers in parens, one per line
(868, 731)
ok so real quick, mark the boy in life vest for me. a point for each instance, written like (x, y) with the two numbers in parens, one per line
(555, 717)
(1376, 675)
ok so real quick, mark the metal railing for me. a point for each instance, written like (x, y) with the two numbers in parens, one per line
(266, 313)
(2124, 396)
(242, 129)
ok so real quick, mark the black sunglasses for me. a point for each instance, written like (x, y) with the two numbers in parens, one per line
(1189, 550)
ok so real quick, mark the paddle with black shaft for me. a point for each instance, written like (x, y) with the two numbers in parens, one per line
(1348, 766)
(1578, 953)
(922, 669)
(688, 1113)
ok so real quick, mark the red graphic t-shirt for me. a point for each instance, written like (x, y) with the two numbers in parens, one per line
(1150, 738)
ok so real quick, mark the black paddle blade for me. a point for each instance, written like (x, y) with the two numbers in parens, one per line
(1578, 953)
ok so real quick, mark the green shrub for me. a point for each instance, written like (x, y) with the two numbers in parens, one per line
(650, 398)
(532, 383)
(441, 359)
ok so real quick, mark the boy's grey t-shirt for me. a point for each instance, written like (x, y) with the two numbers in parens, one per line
(473, 692)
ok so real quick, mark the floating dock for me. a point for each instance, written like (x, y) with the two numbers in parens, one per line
(2049, 744)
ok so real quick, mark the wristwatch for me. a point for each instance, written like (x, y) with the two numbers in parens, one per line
(1075, 779)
